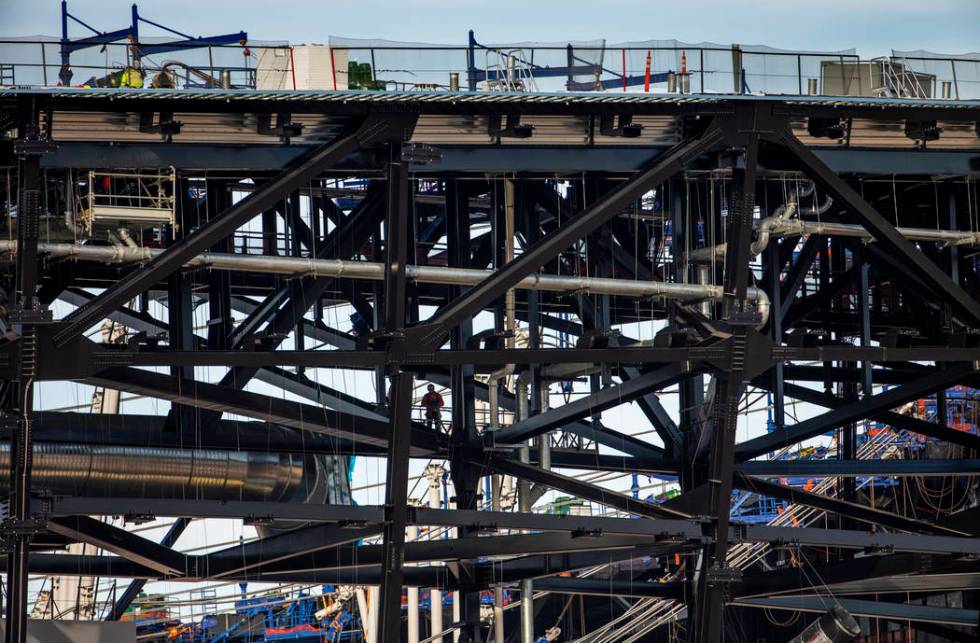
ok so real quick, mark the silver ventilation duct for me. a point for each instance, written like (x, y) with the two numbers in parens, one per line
(86, 470)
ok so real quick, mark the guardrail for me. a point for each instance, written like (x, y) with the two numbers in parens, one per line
(476, 67)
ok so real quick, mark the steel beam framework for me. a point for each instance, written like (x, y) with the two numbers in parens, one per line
(881, 328)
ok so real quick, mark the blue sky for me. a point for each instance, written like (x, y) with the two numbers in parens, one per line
(872, 26)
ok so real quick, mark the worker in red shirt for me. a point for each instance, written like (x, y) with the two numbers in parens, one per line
(432, 403)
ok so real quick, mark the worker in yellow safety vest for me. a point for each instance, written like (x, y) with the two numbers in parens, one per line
(131, 77)
(127, 77)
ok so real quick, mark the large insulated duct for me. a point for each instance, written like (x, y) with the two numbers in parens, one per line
(118, 471)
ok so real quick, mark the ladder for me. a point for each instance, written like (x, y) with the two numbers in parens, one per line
(506, 71)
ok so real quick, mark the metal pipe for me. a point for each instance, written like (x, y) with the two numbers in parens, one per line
(684, 83)
(413, 598)
(85, 470)
(524, 503)
(781, 226)
(373, 271)
(127, 238)
(737, 69)
(373, 614)
(510, 324)
(362, 609)
(704, 277)
(434, 474)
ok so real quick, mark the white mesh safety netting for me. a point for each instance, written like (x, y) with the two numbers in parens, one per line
(594, 63)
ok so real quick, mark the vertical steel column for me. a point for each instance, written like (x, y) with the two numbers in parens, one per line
(412, 604)
(773, 257)
(460, 256)
(942, 403)
(376, 321)
(270, 232)
(180, 311)
(463, 425)
(691, 389)
(463, 431)
(18, 526)
(864, 310)
(396, 247)
(847, 486)
(295, 222)
(396, 488)
(599, 240)
(532, 232)
(396, 509)
(715, 576)
(219, 281)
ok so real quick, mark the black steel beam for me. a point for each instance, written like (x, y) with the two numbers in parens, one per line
(138, 321)
(605, 399)
(860, 468)
(402, 391)
(707, 615)
(577, 487)
(285, 309)
(299, 384)
(140, 550)
(844, 508)
(883, 232)
(277, 548)
(769, 582)
(135, 586)
(870, 609)
(356, 515)
(540, 160)
(609, 587)
(312, 329)
(342, 242)
(117, 567)
(661, 421)
(434, 331)
(605, 436)
(797, 273)
(413, 357)
(455, 549)
(306, 168)
(852, 411)
(19, 393)
(896, 420)
(278, 411)
(884, 354)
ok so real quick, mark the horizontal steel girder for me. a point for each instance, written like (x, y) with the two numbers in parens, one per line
(870, 609)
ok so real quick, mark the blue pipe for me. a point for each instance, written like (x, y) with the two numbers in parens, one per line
(471, 62)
